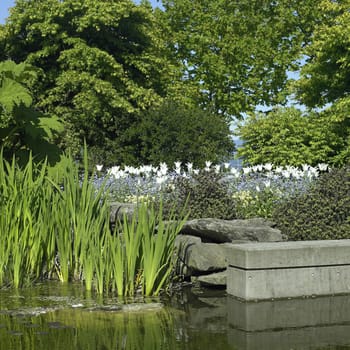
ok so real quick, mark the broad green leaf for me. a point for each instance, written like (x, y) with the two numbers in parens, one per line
(13, 94)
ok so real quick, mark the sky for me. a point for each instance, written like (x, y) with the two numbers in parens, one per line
(6, 4)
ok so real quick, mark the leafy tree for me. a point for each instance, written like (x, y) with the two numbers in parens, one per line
(286, 136)
(101, 64)
(178, 132)
(325, 78)
(236, 54)
(22, 128)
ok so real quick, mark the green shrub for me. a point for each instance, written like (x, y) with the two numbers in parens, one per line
(321, 213)
(205, 195)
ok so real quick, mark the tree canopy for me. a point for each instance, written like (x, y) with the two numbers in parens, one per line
(175, 132)
(325, 78)
(236, 54)
(100, 62)
(122, 76)
(287, 136)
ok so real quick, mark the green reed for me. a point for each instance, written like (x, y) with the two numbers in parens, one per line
(58, 227)
(142, 250)
(158, 246)
(20, 224)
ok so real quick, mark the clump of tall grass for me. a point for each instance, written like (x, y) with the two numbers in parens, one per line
(143, 250)
(58, 227)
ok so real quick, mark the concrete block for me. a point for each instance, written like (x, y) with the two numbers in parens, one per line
(258, 271)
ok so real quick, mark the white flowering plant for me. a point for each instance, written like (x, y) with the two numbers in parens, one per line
(255, 190)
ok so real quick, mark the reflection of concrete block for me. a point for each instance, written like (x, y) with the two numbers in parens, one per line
(284, 313)
(301, 338)
(259, 271)
(302, 323)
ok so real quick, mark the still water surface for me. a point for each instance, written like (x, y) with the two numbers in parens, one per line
(54, 316)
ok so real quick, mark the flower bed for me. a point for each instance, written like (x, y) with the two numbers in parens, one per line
(254, 190)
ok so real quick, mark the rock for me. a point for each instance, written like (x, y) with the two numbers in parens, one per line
(199, 257)
(118, 210)
(217, 279)
(221, 231)
(182, 245)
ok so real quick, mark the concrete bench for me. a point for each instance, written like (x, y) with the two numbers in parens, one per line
(258, 271)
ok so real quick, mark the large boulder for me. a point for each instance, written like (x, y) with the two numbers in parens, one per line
(222, 231)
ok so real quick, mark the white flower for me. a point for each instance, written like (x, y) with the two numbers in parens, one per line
(247, 170)
(268, 166)
(322, 166)
(278, 170)
(257, 168)
(147, 170)
(196, 171)
(305, 167)
(217, 169)
(177, 164)
(267, 183)
(226, 165)
(235, 172)
(99, 167)
(160, 179)
(312, 172)
(177, 167)
(189, 166)
(286, 174)
(163, 169)
(208, 163)
(116, 172)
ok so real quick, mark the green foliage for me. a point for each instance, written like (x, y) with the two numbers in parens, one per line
(286, 136)
(101, 63)
(325, 78)
(176, 132)
(321, 213)
(22, 128)
(205, 195)
(235, 54)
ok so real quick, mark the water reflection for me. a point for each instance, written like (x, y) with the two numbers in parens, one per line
(310, 323)
(65, 317)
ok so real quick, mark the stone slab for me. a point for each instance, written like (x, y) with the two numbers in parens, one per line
(289, 254)
(259, 271)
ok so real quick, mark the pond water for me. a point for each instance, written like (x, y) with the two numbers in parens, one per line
(55, 316)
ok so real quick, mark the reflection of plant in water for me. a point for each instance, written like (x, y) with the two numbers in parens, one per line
(81, 329)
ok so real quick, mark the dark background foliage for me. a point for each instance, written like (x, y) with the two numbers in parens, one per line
(321, 213)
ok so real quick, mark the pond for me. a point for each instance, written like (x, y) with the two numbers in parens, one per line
(55, 316)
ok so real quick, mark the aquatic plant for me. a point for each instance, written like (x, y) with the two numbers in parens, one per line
(20, 232)
(158, 249)
(58, 226)
(142, 251)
